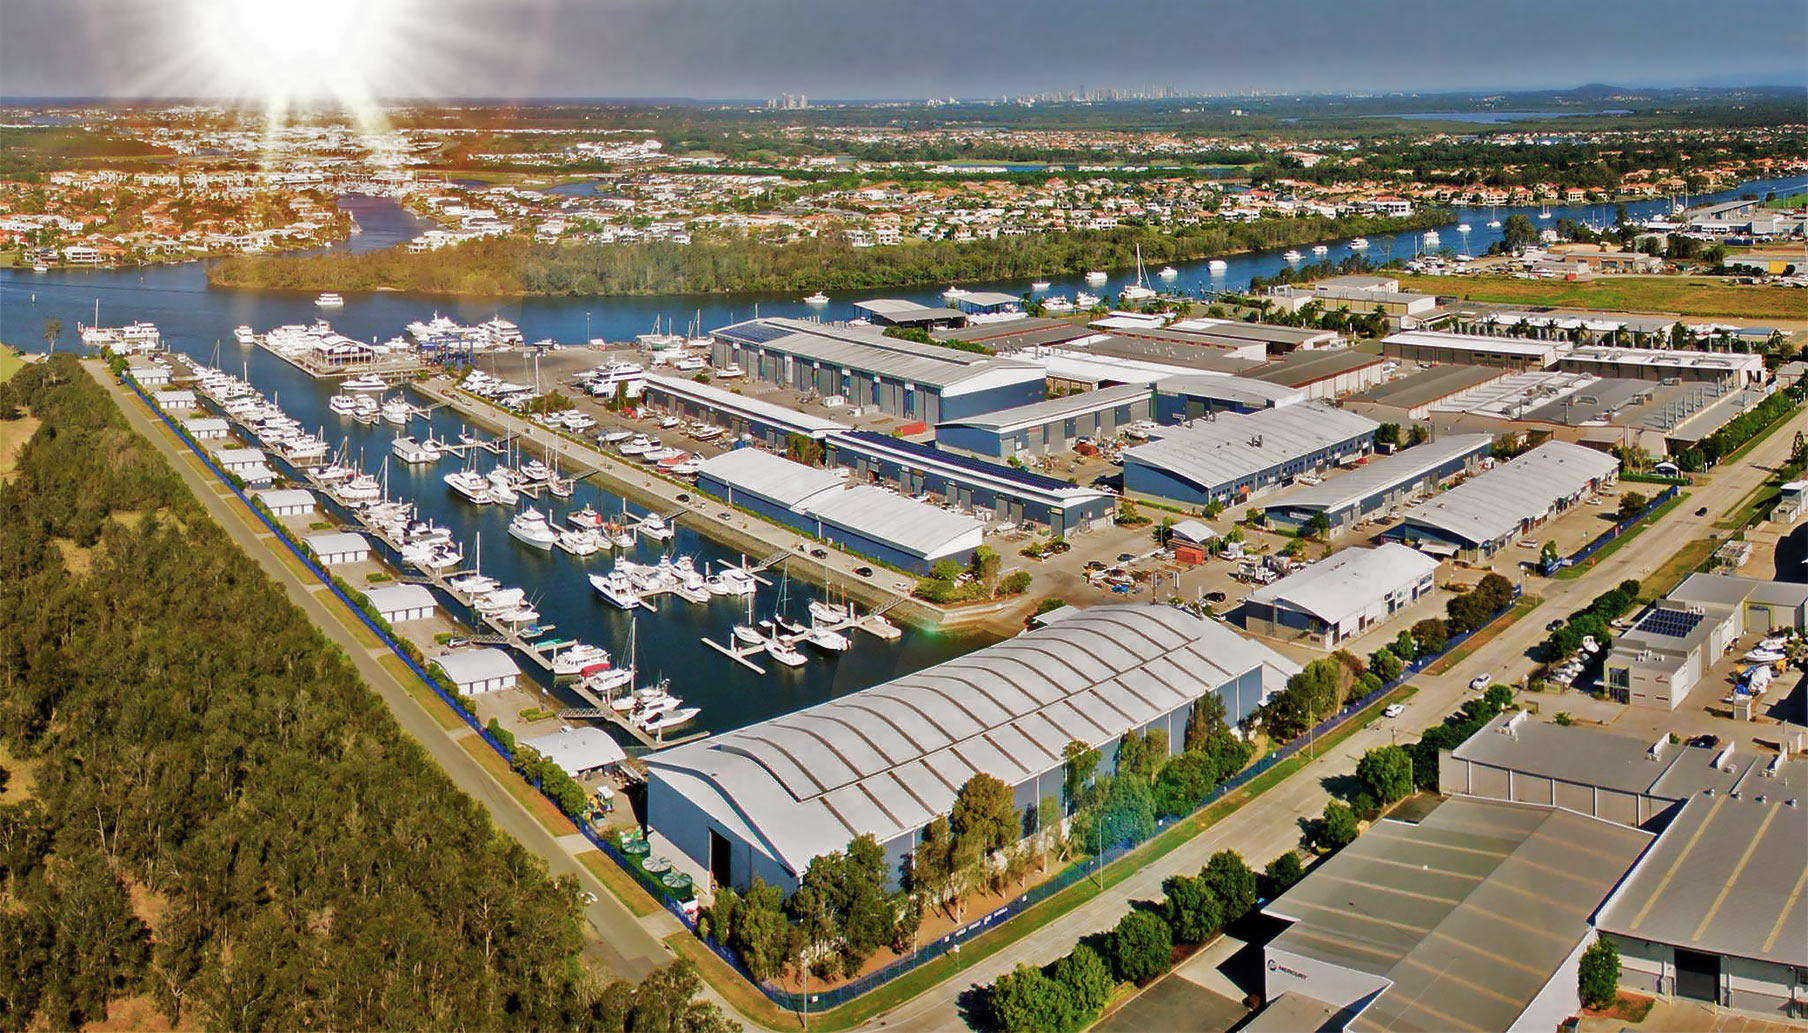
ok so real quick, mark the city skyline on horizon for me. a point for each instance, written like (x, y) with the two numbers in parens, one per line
(718, 51)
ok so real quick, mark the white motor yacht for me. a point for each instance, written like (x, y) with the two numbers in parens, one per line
(472, 485)
(637, 445)
(397, 411)
(579, 656)
(669, 719)
(329, 299)
(616, 588)
(1040, 285)
(586, 519)
(1085, 300)
(614, 437)
(1096, 277)
(819, 298)
(731, 371)
(502, 487)
(1168, 272)
(1320, 249)
(655, 527)
(343, 405)
(409, 450)
(530, 528)
(827, 641)
(474, 584)
(1431, 237)
(499, 600)
(580, 542)
(785, 653)
(244, 334)
(1293, 256)
(366, 382)
(731, 581)
(360, 490)
(954, 292)
(1359, 243)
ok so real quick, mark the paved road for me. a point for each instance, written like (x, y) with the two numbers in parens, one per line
(1270, 824)
(630, 949)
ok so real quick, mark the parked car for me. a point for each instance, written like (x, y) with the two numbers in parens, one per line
(1124, 557)
(1481, 681)
(1554, 625)
(1704, 739)
(864, 571)
(820, 553)
(1703, 511)
(1394, 710)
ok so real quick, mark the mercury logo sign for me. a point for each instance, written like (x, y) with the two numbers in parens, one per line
(1275, 966)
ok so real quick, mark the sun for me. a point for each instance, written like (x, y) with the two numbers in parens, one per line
(286, 53)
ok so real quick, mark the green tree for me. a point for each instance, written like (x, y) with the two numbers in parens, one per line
(1140, 946)
(1386, 665)
(984, 814)
(1282, 874)
(1336, 828)
(1318, 525)
(1386, 773)
(1598, 974)
(1518, 233)
(1191, 908)
(1026, 1001)
(53, 328)
(1087, 978)
(1232, 883)
(760, 935)
(1632, 504)
(1430, 635)
(1079, 764)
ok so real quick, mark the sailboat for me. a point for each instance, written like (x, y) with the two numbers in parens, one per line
(1544, 210)
(777, 648)
(1494, 218)
(607, 680)
(1138, 291)
(749, 634)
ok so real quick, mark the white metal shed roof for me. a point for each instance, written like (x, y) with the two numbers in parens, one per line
(774, 478)
(1337, 588)
(1225, 450)
(391, 598)
(915, 527)
(578, 749)
(331, 543)
(465, 666)
(1492, 505)
(889, 758)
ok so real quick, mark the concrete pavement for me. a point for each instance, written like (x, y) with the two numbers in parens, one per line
(1270, 824)
(629, 948)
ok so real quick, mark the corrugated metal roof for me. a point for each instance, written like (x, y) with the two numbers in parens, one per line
(1219, 452)
(467, 666)
(915, 527)
(727, 401)
(1384, 474)
(1726, 877)
(1008, 709)
(1348, 582)
(1037, 414)
(331, 543)
(1468, 914)
(771, 477)
(866, 350)
(1493, 505)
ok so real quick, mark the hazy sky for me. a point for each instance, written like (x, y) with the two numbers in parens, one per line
(917, 48)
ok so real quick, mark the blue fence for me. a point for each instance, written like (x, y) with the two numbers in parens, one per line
(1613, 532)
(925, 953)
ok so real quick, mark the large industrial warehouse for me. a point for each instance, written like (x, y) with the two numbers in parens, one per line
(1231, 457)
(1049, 426)
(1481, 515)
(764, 800)
(1380, 484)
(1340, 598)
(868, 369)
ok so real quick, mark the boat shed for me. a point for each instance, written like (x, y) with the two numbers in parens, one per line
(1437, 346)
(988, 303)
(206, 428)
(897, 312)
(338, 548)
(764, 421)
(1480, 516)
(1323, 373)
(1190, 397)
(148, 374)
(1414, 396)
(479, 669)
(1381, 483)
(891, 528)
(1008, 494)
(579, 751)
(247, 464)
(772, 486)
(1230, 458)
(398, 603)
(1341, 597)
(764, 800)
(1276, 339)
(174, 400)
(286, 502)
(1715, 911)
(1049, 426)
(871, 371)
(1474, 917)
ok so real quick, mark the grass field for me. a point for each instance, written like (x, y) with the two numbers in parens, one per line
(10, 363)
(1525, 605)
(1686, 295)
(1792, 201)
(749, 1001)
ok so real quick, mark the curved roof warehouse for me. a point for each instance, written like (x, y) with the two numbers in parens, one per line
(766, 799)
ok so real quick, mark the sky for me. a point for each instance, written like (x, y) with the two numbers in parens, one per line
(855, 49)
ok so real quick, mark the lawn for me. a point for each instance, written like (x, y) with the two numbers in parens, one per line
(1791, 201)
(544, 810)
(1687, 295)
(624, 887)
(422, 693)
(1573, 572)
(10, 362)
(1680, 565)
(755, 1005)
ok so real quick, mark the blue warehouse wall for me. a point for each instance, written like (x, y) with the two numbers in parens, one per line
(1008, 396)
(978, 440)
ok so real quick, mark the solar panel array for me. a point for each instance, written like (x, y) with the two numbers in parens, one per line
(1670, 623)
(754, 333)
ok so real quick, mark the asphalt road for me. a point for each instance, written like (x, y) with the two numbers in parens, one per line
(1271, 823)
(628, 947)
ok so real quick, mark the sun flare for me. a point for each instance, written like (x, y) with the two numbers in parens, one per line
(285, 53)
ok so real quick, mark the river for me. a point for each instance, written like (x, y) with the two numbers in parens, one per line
(197, 319)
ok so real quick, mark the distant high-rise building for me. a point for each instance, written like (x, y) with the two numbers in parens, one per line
(788, 102)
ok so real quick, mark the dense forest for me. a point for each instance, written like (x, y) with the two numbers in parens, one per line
(206, 819)
(715, 263)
